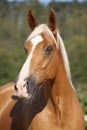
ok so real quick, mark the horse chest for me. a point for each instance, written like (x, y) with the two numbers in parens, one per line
(45, 120)
(42, 124)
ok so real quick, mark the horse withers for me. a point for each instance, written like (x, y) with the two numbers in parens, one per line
(47, 98)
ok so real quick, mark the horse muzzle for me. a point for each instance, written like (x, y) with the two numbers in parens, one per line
(26, 88)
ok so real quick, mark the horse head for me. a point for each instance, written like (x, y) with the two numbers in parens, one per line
(41, 64)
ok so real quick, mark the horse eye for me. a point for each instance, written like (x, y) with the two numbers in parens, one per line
(48, 49)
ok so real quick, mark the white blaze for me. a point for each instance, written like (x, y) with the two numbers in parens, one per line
(25, 71)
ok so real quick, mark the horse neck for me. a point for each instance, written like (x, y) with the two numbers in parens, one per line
(62, 90)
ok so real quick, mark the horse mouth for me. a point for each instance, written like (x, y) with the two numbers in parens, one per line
(28, 90)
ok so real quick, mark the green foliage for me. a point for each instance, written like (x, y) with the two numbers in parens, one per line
(4, 4)
(81, 92)
(77, 50)
(86, 125)
(10, 64)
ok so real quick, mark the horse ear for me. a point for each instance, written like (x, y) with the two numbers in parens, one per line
(32, 20)
(52, 22)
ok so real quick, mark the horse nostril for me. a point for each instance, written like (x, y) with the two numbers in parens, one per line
(16, 88)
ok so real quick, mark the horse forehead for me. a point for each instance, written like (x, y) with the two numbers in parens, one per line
(36, 40)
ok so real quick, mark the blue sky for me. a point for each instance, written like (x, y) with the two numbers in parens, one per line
(47, 1)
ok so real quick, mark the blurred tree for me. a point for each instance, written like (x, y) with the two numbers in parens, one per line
(4, 7)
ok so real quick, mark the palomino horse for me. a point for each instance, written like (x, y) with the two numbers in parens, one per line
(47, 99)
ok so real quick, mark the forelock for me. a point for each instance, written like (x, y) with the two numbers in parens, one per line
(43, 28)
